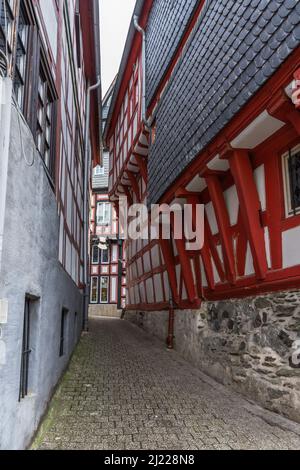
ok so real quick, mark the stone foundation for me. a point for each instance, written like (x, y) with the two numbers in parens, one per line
(248, 344)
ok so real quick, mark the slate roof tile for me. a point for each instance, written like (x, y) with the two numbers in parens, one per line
(233, 51)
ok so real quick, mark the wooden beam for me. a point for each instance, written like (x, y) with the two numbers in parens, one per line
(186, 269)
(128, 195)
(242, 173)
(134, 184)
(169, 259)
(223, 221)
(274, 201)
(142, 164)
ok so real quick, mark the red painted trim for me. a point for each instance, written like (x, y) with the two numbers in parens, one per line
(169, 259)
(142, 166)
(217, 197)
(134, 185)
(134, 53)
(250, 208)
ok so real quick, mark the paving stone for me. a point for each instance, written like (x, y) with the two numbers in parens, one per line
(152, 399)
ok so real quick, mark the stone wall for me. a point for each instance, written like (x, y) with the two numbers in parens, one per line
(248, 344)
(104, 310)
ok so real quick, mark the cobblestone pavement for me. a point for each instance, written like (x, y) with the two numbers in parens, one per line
(124, 390)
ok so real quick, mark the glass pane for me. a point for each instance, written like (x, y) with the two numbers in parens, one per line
(104, 289)
(294, 169)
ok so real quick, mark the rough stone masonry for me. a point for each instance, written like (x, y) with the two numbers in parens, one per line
(251, 345)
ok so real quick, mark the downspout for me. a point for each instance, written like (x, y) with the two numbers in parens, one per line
(143, 33)
(87, 166)
(170, 338)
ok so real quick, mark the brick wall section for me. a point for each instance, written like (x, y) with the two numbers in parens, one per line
(246, 344)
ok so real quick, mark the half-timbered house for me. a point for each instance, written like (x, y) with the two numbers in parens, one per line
(204, 112)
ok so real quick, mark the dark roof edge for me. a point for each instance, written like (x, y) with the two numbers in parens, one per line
(96, 17)
(130, 36)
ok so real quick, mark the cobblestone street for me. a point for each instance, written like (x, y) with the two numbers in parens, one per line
(124, 390)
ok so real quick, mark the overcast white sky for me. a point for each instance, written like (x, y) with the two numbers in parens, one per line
(115, 19)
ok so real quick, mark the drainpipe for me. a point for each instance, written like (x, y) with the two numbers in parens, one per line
(87, 167)
(170, 338)
(142, 32)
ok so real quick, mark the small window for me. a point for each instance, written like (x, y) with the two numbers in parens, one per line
(63, 328)
(103, 213)
(104, 290)
(99, 171)
(25, 359)
(94, 289)
(29, 340)
(21, 56)
(95, 255)
(291, 163)
(105, 256)
(45, 121)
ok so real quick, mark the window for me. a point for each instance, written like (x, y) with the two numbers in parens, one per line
(44, 121)
(7, 18)
(25, 359)
(94, 290)
(291, 163)
(99, 171)
(29, 353)
(103, 213)
(95, 255)
(21, 56)
(104, 290)
(63, 328)
(105, 256)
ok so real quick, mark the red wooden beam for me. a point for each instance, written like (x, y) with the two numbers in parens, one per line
(242, 173)
(142, 164)
(223, 221)
(186, 268)
(274, 201)
(128, 195)
(169, 260)
(241, 246)
(134, 184)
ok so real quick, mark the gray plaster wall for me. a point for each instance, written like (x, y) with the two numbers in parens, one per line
(251, 345)
(30, 266)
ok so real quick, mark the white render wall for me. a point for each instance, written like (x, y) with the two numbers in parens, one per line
(30, 266)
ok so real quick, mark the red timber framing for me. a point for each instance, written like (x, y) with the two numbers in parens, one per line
(244, 252)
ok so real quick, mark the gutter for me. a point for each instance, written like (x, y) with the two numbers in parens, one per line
(143, 33)
(96, 16)
(86, 220)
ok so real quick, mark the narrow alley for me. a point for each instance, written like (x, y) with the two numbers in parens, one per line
(124, 390)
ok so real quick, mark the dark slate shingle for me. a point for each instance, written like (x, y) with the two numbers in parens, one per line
(221, 69)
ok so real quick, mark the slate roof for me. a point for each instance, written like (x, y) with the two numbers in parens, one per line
(166, 25)
(236, 46)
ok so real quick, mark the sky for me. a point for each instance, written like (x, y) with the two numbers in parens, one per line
(115, 16)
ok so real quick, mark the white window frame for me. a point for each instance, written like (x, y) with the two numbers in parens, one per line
(99, 170)
(91, 293)
(106, 221)
(289, 211)
(101, 301)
